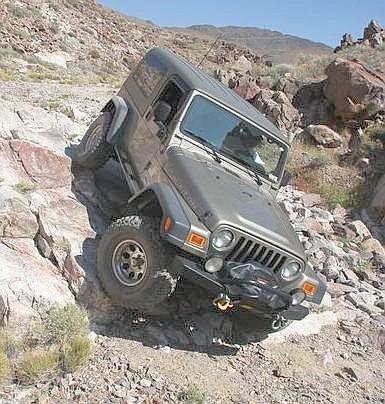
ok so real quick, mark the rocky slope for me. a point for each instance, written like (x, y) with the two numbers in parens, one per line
(277, 47)
(49, 224)
(51, 212)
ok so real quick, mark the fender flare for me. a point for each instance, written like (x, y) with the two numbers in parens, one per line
(120, 112)
(170, 206)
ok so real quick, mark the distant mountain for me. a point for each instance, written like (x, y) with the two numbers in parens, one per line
(280, 48)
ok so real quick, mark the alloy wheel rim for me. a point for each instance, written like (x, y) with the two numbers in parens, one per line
(129, 263)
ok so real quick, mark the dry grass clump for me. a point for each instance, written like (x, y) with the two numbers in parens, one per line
(59, 343)
(25, 187)
(38, 364)
(193, 395)
(319, 170)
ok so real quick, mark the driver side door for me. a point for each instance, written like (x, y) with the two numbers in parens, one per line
(152, 140)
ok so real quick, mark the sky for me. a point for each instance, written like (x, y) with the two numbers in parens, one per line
(319, 20)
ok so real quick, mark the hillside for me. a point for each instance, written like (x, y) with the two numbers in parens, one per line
(278, 47)
(62, 340)
(91, 42)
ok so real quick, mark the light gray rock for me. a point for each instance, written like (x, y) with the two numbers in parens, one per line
(360, 229)
(29, 283)
(323, 135)
(16, 219)
(59, 59)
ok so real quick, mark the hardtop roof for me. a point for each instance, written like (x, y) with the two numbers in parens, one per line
(197, 79)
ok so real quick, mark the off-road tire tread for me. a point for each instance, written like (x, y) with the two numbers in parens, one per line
(166, 278)
(102, 151)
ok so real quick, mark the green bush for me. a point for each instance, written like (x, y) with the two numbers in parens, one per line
(24, 187)
(76, 353)
(62, 325)
(193, 396)
(37, 364)
(348, 198)
(5, 368)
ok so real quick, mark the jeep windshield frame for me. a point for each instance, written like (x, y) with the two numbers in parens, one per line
(235, 137)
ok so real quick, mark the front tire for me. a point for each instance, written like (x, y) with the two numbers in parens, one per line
(134, 264)
(94, 150)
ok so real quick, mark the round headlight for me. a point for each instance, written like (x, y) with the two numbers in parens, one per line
(222, 239)
(214, 264)
(298, 296)
(290, 271)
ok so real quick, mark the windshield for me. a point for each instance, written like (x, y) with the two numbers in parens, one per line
(234, 137)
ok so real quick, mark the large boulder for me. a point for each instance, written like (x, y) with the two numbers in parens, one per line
(278, 108)
(356, 91)
(288, 85)
(323, 135)
(312, 104)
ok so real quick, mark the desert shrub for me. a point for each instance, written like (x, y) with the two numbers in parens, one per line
(24, 187)
(37, 364)
(17, 11)
(75, 353)
(372, 57)
(64, 244)
(376, 132)
(193, 396)
(62, 324)
(348, 198)
(322, 160)
(5, 367)
(94, 53)
(310, 69)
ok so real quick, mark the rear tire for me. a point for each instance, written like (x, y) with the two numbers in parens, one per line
(94, 151)
(134, 264)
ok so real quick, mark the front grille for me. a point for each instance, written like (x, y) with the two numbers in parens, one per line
(251, 250)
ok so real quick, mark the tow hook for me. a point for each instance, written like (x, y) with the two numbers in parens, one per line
(223, 302)
(278, 322)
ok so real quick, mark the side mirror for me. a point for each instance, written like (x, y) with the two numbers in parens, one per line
(162, 111)
(286, 178)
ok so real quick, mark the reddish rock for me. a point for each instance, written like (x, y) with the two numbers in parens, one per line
(42, 165)
(355, 90)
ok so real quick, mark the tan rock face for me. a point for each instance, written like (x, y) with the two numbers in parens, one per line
(355, 90)
(278, 108)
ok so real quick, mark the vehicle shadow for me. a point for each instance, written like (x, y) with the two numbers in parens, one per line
(188, 321)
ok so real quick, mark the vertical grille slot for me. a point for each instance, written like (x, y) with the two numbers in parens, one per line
(274, 260)
(236, 250)
(252, 250)
(280, 264)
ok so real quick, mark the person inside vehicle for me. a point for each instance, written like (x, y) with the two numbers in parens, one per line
(244, 144)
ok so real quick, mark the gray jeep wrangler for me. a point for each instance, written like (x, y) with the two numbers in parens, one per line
(203, 167)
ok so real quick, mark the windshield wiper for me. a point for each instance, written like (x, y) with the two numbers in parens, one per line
(209, 148)
(252, 173)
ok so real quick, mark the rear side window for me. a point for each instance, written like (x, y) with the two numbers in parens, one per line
(147, 76)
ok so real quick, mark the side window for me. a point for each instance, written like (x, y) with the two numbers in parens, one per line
(147, 76)
(173, 95)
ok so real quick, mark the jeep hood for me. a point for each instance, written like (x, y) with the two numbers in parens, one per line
(219, 197)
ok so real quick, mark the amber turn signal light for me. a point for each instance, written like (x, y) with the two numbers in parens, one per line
(168, 223)
(196, 240)
(309, 288)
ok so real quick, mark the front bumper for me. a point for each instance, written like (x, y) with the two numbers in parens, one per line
(260, 298)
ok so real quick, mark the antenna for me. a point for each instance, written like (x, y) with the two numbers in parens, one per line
(210, 49)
